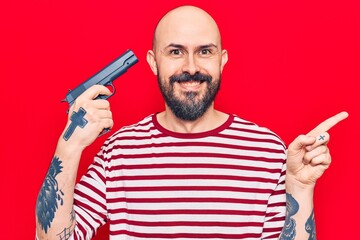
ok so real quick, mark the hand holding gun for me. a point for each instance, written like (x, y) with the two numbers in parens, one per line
(104, 77)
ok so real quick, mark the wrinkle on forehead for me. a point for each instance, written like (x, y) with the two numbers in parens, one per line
(187, 21)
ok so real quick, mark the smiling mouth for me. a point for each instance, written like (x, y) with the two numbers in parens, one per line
(190, 85)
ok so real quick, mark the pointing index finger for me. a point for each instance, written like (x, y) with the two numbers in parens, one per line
(328, 124)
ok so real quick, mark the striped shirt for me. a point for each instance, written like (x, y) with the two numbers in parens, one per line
(151, 183)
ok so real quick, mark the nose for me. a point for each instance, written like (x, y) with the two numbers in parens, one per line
(190, 64)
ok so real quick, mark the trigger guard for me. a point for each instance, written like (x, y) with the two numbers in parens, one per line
(107, 96)
(113, 88)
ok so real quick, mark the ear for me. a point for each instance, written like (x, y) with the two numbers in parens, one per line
(224, 59)
(150, 57)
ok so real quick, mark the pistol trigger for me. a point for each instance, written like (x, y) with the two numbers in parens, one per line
(114, 89)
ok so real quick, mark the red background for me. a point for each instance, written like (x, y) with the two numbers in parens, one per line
(292, 64)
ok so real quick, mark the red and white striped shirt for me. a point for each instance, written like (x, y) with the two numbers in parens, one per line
(151, 183)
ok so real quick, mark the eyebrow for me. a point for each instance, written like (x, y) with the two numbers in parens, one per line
(210, 45)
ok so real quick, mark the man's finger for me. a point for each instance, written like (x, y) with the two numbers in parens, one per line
(95, 91)
(328, 124)
(299, 143)
(321, 139)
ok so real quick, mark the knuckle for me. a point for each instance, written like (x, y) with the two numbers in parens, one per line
(102, 103)
(77, 102)
(106, 104)
(328, 137)
(85, 105)
(323, 149)
(95, 87)
(307, 158)
(324, 136)
(301, 137)
(111, 123)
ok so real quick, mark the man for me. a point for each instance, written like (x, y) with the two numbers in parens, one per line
(189, 172)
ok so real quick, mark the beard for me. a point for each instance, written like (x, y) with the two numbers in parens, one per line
(193, 106)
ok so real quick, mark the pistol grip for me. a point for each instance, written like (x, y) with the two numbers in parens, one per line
(105, 130)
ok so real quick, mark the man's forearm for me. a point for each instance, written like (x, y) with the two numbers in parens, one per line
(300, 221)
(55, 217)
(54, 207)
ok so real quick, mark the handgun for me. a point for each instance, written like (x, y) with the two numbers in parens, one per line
(104, 77)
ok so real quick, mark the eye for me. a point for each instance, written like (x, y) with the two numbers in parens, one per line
(175, 52)
(205, 51)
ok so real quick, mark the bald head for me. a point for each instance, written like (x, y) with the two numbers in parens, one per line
(186, 25)
(188, 60)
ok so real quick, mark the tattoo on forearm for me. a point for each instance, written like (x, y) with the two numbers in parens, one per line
(292, 207)
(49, 196)
(310, 226)
(67, 232)
(77, 119)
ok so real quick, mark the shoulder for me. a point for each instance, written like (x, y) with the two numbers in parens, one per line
(130, 132)
(246, 128)
(141, 126)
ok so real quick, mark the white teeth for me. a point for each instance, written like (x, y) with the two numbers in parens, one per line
(191, 83)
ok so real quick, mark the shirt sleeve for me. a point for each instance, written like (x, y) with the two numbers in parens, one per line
(90, 201)
(276, 209)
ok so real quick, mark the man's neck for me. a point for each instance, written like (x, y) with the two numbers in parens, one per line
(209, 121)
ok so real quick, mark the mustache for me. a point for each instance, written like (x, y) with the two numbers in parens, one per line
(186, 77)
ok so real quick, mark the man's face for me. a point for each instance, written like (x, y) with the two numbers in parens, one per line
(191, 100)
(188, 61)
